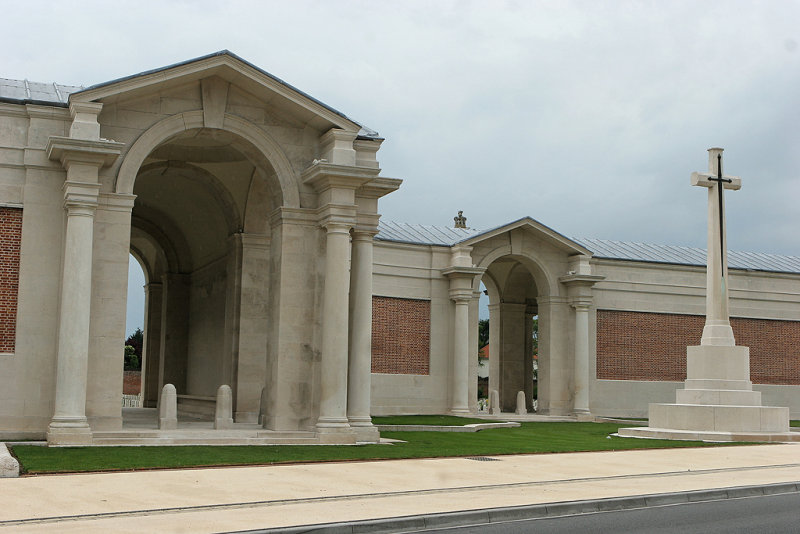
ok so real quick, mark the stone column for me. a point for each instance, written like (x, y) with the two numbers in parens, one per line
(461, 275)
(69, 425)
(174, 331)
(581, 364)
(333, 375)
(152, 344)
(579, 282)
(459, 403)
(360, 363)
(82, 154)
(495, 341)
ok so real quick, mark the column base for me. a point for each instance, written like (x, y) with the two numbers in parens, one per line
(365, 431)
(69, 432)
(583, 416)
(461, 412)
(335, 431)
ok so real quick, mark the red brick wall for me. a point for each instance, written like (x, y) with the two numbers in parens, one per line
(401, 336)
(652, 346)
(10, 241)
(131, 382)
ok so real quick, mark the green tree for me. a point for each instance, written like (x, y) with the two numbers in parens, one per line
(136, 341)
(132, 361)
(483, 333)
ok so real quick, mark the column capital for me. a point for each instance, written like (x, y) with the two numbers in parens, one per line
(461, 295)
(69, 151)
(363, 234)
(581, 303)
(80, 198)
(333, 226)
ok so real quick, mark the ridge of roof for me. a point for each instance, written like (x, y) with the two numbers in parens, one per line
(364, 133)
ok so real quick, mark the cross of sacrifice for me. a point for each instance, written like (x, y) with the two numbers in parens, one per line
(716, 292)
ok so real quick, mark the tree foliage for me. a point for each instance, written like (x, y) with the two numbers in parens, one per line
(483, 333)
(133, 351)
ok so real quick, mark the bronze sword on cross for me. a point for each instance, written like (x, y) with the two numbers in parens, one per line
(720, 179)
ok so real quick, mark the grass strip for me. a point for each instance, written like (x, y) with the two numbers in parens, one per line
(528, 439)
(427, 420)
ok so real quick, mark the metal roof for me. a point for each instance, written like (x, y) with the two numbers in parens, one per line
(624, 250)
(26, 92)
(420, 234)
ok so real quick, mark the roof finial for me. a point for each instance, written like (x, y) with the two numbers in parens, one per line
(460, 220)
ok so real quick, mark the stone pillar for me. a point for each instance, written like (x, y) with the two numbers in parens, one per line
(579, 284)
(152, 343)
(360, 363)
(253, 338)
(174, 331)
(82, 154)
(581, 364)
(513, 354)
(69, 425)
(495, 341)
(333, 372)
(461, 275)
(459, 388)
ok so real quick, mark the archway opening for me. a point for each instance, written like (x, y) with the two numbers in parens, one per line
(202, 199)
(484, 349)
(512, 332)
(134, 336)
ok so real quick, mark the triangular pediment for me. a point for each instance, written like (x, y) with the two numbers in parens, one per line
(540, 230)
(235, 70)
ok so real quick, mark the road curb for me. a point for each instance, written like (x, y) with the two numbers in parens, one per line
(535, 511)
(9, 466)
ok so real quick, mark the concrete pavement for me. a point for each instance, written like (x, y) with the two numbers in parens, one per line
(245, 498)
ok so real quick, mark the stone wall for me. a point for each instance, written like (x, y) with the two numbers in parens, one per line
(401, 336)
(652, 346)
(10, 240)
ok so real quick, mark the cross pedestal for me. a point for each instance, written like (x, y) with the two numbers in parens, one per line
(717, 401)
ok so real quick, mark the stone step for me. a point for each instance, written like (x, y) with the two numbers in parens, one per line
(724, 397)
(176, 440)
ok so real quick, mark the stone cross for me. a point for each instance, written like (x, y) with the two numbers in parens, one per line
(717, 330)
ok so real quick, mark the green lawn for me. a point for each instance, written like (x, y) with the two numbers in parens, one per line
(529, 438)
(436, 420)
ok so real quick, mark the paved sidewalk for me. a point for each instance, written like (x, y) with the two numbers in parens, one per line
(243, 498)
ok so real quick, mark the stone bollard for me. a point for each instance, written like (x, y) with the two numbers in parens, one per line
(223, 418)
(521, 410)
(168, 408)
(9, 466)
(494, 402)
(262, 407)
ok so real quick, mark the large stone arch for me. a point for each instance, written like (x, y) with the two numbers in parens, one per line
(546, 283)
(265, 147)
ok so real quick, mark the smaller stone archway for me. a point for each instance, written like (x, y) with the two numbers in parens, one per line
(513, 305)
(531, 271)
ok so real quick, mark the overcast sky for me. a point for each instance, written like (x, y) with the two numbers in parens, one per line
(587, 116)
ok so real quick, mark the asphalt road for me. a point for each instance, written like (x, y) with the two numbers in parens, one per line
(762, 515)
